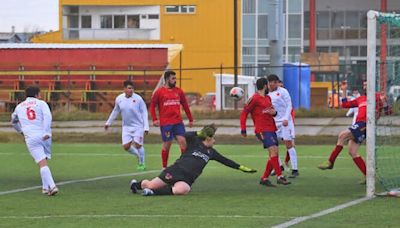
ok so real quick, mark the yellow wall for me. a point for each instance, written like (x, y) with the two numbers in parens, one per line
(207, 36)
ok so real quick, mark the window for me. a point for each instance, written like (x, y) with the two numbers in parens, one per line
(249, 6)
(262, 26)
(184, 9)
(74, 10)
(86, 21)
(352, 19)
(133, 21)
(119, 21)
(153, 16)
(322, 19)
(249, 51)
(106, 21)
(248, 26)
(172, 9)
(73, 22)
(337, 20)
(263, 50)
(294, 26)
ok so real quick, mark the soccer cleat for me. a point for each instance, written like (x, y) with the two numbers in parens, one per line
(273, 171)
(147, 192)
(133, 186)
(295, 173)
(267, 183)
(45, 191)
(53, 191)
(282, 180)
(141, 167)
(326, 165)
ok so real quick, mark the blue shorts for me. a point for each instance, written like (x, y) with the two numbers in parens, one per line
(359, 131)
(168, 132)
(268, 138)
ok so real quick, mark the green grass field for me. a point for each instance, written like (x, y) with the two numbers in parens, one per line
(221, 197)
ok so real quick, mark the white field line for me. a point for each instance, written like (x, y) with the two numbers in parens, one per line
(78, 181)
(321, 213)
(144, 216)
(157, 155)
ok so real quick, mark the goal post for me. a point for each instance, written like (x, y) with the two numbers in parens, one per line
(383, 77)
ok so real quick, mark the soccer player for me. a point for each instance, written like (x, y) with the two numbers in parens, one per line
(262, 112)
(356, 134)
(32, 118)
(169, 99)
(134, 122)
(282, 103)
(178, 178)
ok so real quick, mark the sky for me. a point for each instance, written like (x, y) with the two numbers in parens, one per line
(28, 15)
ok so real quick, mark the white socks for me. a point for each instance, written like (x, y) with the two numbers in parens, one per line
(293, 158)
(134, 151)
(139, 153)
(47, 178)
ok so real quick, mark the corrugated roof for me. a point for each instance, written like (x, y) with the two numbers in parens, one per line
(73, 46)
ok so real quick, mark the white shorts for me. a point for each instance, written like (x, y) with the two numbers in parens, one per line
(286, 133)
(136, 136)
(38, 148)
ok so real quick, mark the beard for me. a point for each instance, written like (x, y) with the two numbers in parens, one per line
(171, 85)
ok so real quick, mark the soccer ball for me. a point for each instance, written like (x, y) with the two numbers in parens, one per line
(236, 93)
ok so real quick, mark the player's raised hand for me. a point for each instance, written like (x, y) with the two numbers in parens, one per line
(106, 127)
(156, 123)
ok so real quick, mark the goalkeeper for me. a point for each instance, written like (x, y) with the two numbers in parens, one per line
(178, 178)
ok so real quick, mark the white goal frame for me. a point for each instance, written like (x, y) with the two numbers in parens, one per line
(371, 85)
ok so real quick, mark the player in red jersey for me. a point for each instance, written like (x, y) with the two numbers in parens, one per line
(169, 99)
(262, 112)
(357, 132)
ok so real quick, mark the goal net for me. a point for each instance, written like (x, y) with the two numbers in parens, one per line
(383, 77)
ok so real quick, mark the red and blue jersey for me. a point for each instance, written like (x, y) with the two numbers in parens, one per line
(169, 101)
(258, 106)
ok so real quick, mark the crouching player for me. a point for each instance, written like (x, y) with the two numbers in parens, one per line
(178, 178)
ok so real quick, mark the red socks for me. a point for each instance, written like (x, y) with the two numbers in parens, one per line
(275, 164)
(268, 169)
(335, 153)
(360, 164)
(164, 157)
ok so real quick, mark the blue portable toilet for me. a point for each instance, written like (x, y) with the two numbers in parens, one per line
(296, 79)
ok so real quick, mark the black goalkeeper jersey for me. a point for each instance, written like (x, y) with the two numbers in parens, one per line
(197, 155)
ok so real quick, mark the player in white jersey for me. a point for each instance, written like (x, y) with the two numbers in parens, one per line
(134, 122)
(284, 123)
(353, 111)
(32, 118)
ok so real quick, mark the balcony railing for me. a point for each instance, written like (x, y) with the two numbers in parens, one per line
(110, 34)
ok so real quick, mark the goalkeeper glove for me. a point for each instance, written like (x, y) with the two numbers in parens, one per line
(207, 131)
(246, 169)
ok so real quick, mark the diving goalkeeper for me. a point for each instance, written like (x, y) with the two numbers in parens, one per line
(178, 178)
